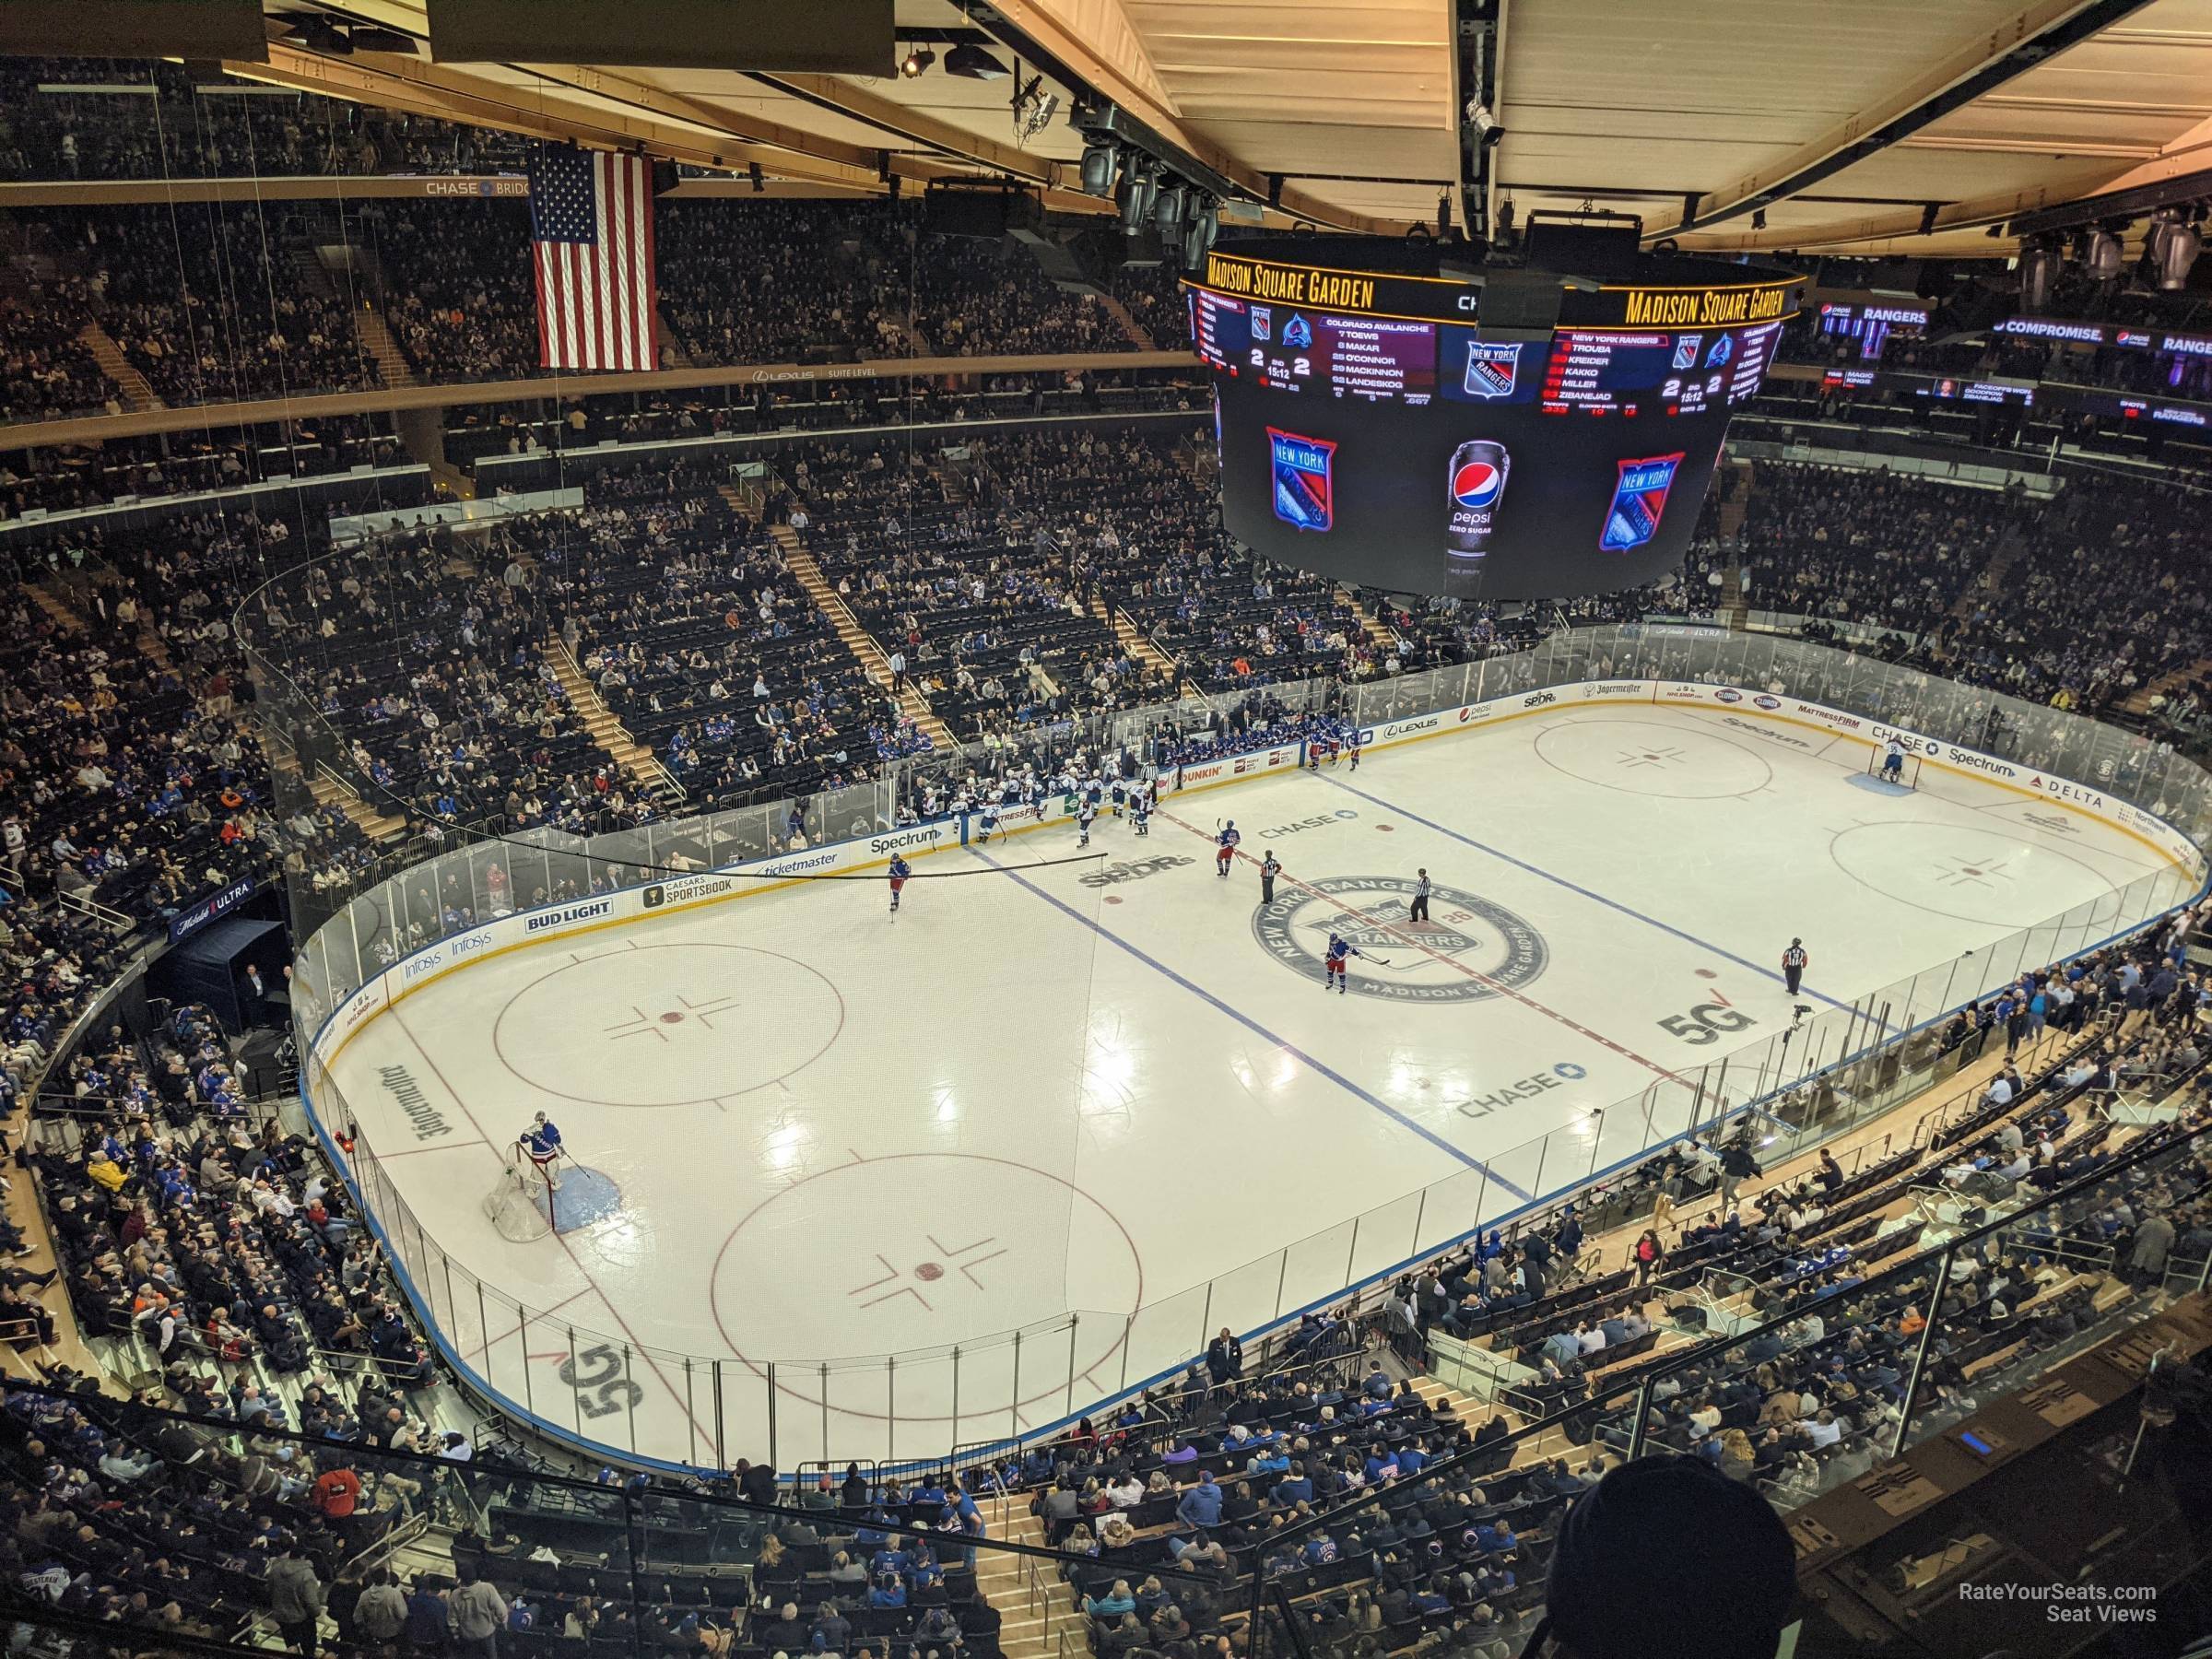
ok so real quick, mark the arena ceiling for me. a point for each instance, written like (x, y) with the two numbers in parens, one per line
(1867, 126)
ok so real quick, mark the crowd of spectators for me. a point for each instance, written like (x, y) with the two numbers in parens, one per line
(1879, 548)
(206, 301)
(682, 610)
(49, 371)
(182, 130)
(66, 478)
(457, 287)
(962, 565)
(2079, 601)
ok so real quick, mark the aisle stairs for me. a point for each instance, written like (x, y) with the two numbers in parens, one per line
(608, 731)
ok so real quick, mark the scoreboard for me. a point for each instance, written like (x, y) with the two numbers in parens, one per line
(1374, 428)
(1579, 370)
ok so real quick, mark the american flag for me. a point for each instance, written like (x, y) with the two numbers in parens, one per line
(590, 218)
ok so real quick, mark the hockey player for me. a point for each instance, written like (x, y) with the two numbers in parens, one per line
(1226, 841)
(1140, 812)
(986, 823)
(1894, 763)
(1351, 742)
(900, 870)
(1085, 816)
(1118, 795)
(1334, 973)
(541, 1144)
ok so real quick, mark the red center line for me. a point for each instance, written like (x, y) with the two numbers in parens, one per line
(1452, 962)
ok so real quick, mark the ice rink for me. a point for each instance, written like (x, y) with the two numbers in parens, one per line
(808, 1135)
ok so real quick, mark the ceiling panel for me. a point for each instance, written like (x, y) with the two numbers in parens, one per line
(1621, 103)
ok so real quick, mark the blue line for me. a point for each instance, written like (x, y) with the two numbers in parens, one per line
(1254, 1026)
(1666, 927)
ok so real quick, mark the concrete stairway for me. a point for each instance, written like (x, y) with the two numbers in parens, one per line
(1378, 633)
(44, 596)
(1732, 608)
(857, 640)
(376, 335)
(1120, 314)
(2138, 700)
(138, 395)
(328, 790)
(1133, 641)
(1735, 496)
(608, 731)
(1035, 1604)
(666, 343)
(2011, 548)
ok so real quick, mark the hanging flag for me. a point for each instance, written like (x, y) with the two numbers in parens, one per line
(591, 227)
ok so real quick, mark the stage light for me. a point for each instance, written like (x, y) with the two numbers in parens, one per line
(916, 60)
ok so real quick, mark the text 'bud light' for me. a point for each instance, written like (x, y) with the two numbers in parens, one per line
(1638, 500)
(1473, 493)
(1305, 495)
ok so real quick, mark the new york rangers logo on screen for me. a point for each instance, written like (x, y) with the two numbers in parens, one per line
(1492, 369)
(1305, 496)
(1639, 502)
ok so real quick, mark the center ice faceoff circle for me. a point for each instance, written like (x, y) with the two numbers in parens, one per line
(1469, 949)
(657, 1025)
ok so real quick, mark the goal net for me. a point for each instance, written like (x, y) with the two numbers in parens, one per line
(520, 1205)
(1906, 776)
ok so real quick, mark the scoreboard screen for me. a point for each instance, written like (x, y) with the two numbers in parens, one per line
(1386, 437)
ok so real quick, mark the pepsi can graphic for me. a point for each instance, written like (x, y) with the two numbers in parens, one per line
(1473, 490)
(1640, 492)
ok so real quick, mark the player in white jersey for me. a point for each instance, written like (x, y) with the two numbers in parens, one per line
(1085, 816)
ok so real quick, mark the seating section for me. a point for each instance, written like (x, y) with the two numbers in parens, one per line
(207, 302)
(187, 130)
(702, 639)
(457, 290)
(440, 692)
(49, 371)
(68, 478)
(966, 568)
(1900, 558)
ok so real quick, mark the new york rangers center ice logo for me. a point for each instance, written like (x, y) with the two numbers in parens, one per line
(1470, 950)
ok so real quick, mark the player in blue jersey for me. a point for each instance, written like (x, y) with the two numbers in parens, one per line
(900, 870)
(1335, 973)
(1226, 841)
(541, 1144)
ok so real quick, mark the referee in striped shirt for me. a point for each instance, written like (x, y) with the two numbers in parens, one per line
(1420, 897)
